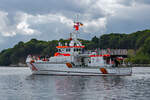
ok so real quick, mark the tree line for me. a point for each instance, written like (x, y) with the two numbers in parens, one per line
(138, 41)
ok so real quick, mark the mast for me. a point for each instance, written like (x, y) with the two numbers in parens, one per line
(74, 41)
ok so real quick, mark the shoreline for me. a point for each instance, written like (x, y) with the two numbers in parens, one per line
(140, 65)
(25, 65)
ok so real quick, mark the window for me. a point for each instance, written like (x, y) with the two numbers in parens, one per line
(68, 50)
(75, 49)
(62, 50)
(79, 49)
(59, 50)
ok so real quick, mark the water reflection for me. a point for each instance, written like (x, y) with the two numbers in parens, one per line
(76, 87)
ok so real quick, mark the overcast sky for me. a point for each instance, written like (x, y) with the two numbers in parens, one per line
(21, 20)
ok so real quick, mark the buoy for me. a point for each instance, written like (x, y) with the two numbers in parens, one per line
(103, 70)
(69, 65)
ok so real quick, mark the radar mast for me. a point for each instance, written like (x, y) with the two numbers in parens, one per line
(73, 35)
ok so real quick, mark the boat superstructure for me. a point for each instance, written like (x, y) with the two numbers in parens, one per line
(72, 59)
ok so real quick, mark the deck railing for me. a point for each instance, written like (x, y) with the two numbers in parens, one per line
(112, 51)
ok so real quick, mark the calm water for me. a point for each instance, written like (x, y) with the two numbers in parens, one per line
(19, 84)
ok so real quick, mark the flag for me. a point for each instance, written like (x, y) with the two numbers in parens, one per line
(81, 24)
(76, 27)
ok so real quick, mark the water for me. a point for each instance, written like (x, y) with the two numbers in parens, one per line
(19, 84)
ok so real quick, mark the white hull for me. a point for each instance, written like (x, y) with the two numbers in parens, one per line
(62, 69)
(72, 59)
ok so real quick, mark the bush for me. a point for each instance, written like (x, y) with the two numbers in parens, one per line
(141, 59)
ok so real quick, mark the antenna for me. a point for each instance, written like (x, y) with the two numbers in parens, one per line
(77, 17)
(73, 35)
(77, 24)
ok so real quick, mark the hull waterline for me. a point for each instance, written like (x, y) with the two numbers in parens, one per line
(62, 69)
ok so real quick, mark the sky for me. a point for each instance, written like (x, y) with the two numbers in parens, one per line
(22, 20)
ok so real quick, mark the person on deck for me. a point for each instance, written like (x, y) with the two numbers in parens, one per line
(116, 62)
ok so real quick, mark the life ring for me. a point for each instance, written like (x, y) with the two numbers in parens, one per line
(103, 70)
(69, 65)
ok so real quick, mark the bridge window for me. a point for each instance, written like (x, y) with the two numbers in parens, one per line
(63, 50)
(75, 49)
(79, 49)
(59, 50)
(68, 50)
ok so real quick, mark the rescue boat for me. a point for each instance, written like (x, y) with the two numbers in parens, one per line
(72, 59)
